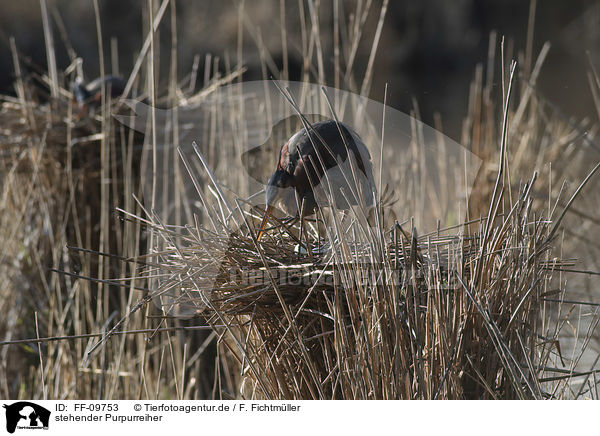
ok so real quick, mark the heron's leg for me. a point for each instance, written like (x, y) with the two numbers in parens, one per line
(301, 228)
(322, 223)
(318, 211)
(303, 231)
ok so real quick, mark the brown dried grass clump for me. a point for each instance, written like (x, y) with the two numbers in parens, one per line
(376, 314)
(51, 169)
(439, 316)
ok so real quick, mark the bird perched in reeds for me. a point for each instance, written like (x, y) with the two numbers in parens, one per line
(89, 95)
(323, 164)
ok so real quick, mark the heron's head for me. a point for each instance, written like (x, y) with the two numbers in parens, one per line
(277, 187)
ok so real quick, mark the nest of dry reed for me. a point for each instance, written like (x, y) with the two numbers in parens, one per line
(385, 315)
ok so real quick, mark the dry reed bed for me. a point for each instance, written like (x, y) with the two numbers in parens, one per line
(475, 313)
(383, 315)
(51, 199)
(440, 316)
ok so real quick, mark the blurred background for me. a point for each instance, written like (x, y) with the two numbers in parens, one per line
(428, 49)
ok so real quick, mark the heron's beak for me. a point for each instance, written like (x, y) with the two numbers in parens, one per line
(264, 222)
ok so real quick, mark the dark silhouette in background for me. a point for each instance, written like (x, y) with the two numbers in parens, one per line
(428, 49)
(89, 95)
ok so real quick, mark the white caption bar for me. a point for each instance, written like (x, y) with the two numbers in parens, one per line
(167, 418)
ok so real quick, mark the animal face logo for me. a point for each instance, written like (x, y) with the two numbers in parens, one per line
(26, 415)
(214, 158)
